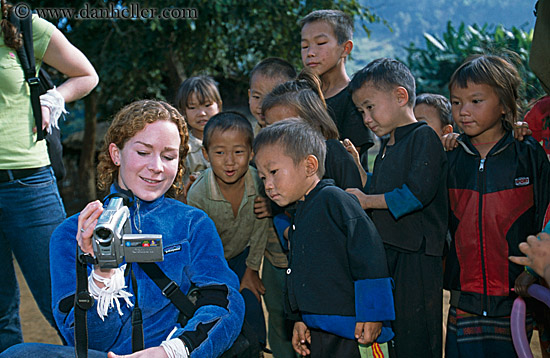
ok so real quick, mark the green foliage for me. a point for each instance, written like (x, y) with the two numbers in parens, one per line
(148, 58)
(434, 64)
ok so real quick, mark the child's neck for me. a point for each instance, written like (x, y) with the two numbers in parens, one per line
(485, 141)
(334, 80)
(233, 193)
(196, 133)
(311, 184)
(406, 119)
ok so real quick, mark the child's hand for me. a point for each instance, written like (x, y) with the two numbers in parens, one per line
(363, 198)
(262, 207)
(251, 280)
(367, 332)
(537, 254)
(449, 141)
(301, 338)
(523, 281)
(521, 129)
(351, 149)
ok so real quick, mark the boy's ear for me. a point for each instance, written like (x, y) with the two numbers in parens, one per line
(249, 94)
(312, 165)
(401, 95)
(114, 152)
(205, 154)
(447, 129)
(348, 46)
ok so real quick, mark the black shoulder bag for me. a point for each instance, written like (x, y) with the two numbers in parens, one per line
(38, 86)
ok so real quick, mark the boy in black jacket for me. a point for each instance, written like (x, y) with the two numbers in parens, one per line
(337, 280)
(408, 197)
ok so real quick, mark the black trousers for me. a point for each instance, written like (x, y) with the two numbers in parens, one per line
(418, 298)
(328, 345)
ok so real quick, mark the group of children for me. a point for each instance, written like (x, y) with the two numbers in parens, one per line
(361, 272)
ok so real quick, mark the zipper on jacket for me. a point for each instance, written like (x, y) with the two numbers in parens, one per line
(481, 178)
(136, 215)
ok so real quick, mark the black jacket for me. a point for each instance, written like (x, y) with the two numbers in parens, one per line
(412, 173)
(495, 203)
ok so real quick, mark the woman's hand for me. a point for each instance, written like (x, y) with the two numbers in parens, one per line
(521, 130)
(87, 220)
(155, 352)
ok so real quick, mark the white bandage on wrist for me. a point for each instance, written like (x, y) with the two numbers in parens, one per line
(107, 297)
(56, 103)
(175, 348)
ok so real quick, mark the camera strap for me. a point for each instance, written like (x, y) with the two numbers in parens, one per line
(169, 288)
(83, 301)
(137, 320)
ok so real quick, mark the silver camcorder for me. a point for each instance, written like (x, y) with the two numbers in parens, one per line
(112, 240)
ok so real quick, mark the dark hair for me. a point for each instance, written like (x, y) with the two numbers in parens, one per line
(204, 87)
(440, 103)
(127, 123)
(225, 121)
(298, 140)
(274, 67)
(385, 73)
(341, 23)
(305, 96)
(12, 38)
(496, 72)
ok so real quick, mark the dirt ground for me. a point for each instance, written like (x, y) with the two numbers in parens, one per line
(36, 329)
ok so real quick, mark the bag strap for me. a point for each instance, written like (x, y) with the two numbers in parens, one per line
(137, 320)
(26, 57)
(83, 301)
(169, 288)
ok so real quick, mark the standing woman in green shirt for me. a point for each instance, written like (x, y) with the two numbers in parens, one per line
(30, 205)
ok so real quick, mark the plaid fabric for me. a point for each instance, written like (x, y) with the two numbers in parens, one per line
(469, 327)
(375, 350)
(470, 335)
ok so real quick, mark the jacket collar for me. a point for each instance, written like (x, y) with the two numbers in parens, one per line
(502, 144)
(403, 131)
(144, 206)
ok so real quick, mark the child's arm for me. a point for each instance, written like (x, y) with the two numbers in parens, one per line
(377, 201)
(258, 240)
(301, 338)
(355, 154)
(421, 182)
(367, 332)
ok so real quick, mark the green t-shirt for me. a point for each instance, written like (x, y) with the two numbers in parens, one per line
(18, 146)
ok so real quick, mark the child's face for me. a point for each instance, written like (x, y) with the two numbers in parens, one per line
(429, 114)
(278, 113)
(149, 160)
(377, 107)
(229, 154)
(198, 114)
(320, 49)
(284, 182)
(260, 86)
(477, 111)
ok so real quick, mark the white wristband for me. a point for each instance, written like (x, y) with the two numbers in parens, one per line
(56, 103)
(175, 348)
(107, 297)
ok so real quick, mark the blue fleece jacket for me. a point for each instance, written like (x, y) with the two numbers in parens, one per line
(193, 253)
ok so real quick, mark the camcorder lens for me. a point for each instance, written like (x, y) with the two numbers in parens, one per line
(104, 235)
